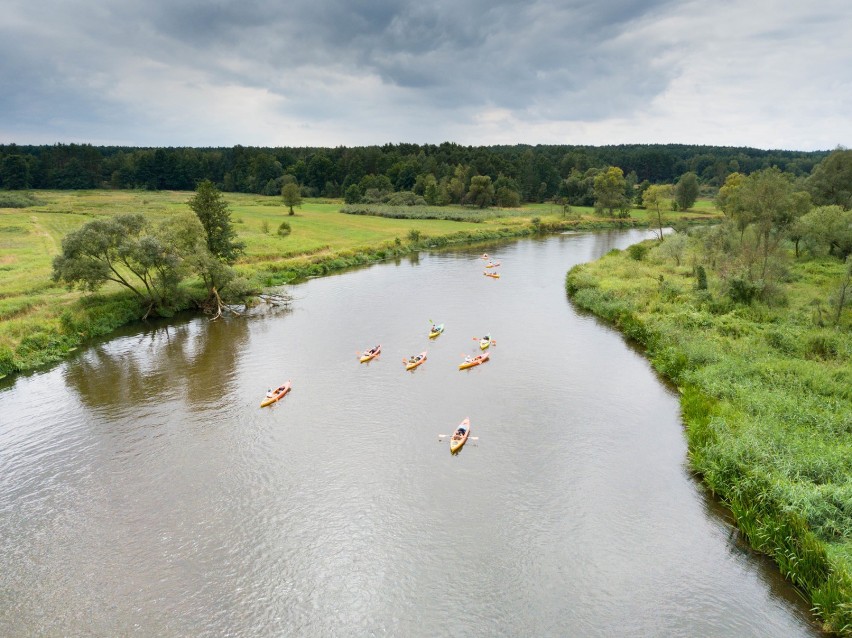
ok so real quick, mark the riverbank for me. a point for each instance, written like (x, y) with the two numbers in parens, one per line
(41, 322)
(766, 395)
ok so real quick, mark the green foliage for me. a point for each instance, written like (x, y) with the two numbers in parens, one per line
(18, 200)
(413, 235)
(657, 198)
(124, 250)
(609, 191)
(215, 216)
(830, 183)
(686, 191)
(284, 229)
(427, 212)
(700, 278)
(481, 192)
(291, 196)
(672, 247)
(744, 291)
(638, 251)
(353, 194)
(827, 230)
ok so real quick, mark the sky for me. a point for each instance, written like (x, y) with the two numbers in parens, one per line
(769, 74)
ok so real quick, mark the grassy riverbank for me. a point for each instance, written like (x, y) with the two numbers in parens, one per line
(766, 399)
(41, 321)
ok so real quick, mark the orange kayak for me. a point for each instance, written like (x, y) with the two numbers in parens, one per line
(413, 362)
(496, 275)
(475, 361)
(369, 355)
(273, 395)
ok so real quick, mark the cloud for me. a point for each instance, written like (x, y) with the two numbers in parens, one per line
(330, 72)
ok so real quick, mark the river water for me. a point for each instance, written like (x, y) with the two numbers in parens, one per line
(144, 492)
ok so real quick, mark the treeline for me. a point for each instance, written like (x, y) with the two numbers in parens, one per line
(438, 173)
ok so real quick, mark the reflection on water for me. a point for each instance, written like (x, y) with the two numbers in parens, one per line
(144, 492)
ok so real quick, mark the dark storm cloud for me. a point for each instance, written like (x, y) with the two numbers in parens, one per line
(173, 69)
(501, 54)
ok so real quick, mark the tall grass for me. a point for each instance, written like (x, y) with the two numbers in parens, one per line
(767, 404)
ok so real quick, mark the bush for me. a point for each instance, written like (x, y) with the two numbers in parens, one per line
(637, 251)
(413, 235)
(741, 290)
(700, 278)
(17, 200)
(284, 229)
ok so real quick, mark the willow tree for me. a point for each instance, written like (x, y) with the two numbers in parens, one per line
(125, 250)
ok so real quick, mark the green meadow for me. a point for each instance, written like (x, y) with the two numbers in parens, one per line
(766, 392)
(41, 321)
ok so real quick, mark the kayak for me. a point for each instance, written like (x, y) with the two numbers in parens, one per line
(464, 365)
(459, 437)
(273, 395)
(420, 358)
(492, 264)
(436, 331)
(496, 275)
(484, 256)
(369, 355)
(485, 342)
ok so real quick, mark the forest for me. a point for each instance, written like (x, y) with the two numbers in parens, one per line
(519, 173)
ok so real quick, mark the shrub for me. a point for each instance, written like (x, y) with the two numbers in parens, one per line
(284, 229)
(413, 235)
(637, 251)
(700, 278)
(741, 290)
(17, 200)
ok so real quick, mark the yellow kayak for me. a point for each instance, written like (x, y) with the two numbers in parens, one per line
(436, 331)
(459, 437)
(371, 354)
(415, 361)
(273, 395)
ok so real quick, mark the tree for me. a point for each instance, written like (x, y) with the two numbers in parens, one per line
(831, 180)
(686, 191)
(656, 199)
(15, 172)
(725, 199)
(293, 197)
(352, 196)
(506, 193)
(123, 250)
(609, 191)
(673, 246)
(767, 201)
(481, 191)
(827, 229)
(844, 291)
(215, 216)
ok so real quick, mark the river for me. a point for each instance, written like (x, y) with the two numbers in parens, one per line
(144, 492)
